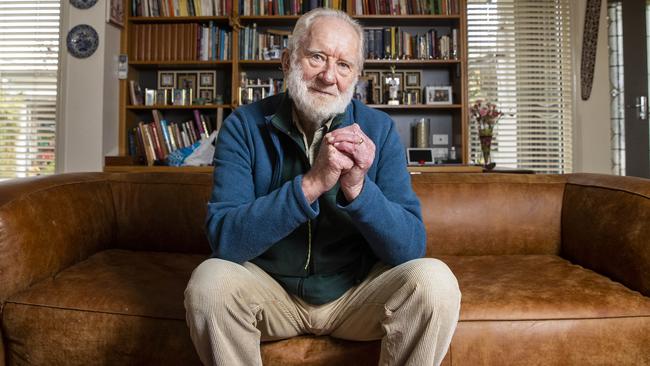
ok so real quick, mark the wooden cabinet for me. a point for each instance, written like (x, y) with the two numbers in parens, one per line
(170, 47)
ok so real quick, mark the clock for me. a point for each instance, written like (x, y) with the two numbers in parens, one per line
(82, 41)
(83, 4)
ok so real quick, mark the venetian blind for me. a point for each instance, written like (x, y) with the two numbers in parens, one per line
(29, 54)
(519, 56)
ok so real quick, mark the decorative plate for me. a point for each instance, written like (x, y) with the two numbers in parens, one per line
(82, 41)
(83, 4)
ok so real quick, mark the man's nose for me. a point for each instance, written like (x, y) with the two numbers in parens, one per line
(328, 75)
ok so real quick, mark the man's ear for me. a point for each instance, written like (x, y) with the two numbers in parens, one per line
(286, 60)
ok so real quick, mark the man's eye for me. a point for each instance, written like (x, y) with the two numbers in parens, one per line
(318, 57)
(345, 66)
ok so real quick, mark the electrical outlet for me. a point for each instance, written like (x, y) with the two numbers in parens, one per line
(440, 139)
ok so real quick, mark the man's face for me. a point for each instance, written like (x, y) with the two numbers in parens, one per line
(322, 78)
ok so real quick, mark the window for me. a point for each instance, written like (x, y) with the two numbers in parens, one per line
(29, 57)
(519, 56)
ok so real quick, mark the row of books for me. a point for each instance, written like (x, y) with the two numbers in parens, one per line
(262, 45)
(253, 90)
(286, 7)
(397, 43)
(406, 7)
(180, 41)
(180, 8)
(154, 141)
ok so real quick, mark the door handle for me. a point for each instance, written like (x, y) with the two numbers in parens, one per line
(642, 107)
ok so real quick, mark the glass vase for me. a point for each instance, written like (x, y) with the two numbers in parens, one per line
(486, 149)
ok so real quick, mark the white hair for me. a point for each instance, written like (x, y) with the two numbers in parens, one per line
(305, 22)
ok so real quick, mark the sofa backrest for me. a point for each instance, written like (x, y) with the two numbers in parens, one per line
(161, 211)
(491, 214)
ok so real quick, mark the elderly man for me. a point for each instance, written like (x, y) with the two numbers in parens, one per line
(313, 223)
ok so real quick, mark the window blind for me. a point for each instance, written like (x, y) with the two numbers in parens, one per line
(29, 57)
(519, 56)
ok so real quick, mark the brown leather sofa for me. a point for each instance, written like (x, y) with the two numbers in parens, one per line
(554, 270)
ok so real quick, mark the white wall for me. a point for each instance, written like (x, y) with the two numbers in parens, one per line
(89, 92)
(88, 107)
(592, 128)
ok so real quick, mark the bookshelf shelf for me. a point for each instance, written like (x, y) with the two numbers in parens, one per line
(411, 62)
(417, 106)
(180, 64)
(221, 19)
(177, 107)
(168, 43)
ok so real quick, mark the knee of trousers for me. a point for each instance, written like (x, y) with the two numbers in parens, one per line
(214, 282)
(435, 284)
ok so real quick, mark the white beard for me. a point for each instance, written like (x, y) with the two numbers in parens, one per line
(318, 109)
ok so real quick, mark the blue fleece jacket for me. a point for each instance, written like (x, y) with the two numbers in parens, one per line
(251, 209)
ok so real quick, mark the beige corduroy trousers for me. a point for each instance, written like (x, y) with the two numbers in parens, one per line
(413, 308)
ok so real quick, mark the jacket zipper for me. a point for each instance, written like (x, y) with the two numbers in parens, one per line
(308, 244)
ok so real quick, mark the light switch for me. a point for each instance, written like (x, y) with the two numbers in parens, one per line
(440, 139)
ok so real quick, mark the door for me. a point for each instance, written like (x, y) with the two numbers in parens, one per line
(635, 41)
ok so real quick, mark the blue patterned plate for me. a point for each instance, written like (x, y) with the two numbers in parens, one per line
(83, 4)
(82, 41)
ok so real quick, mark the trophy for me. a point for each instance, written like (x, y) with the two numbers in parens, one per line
(393, 85)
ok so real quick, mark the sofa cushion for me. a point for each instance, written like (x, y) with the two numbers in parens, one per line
(122, 307)
(539, 309)
(127, 307)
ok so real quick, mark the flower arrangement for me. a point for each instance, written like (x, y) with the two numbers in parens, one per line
(486, 115)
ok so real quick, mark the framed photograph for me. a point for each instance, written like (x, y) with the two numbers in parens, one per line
(206, 79)
(162, 96)
(376, 96)
(166, 79)
(115, 12)
(411, 96)
(187, 81)
(438, 95)
(207, 95)
(179, 97)
(374, 76)
(149, 96)
(362, 90)
(412, 78)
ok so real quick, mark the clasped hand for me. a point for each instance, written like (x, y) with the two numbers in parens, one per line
(345, 156)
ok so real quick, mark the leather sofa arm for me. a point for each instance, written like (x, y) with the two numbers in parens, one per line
(49, 223)
(605, 227)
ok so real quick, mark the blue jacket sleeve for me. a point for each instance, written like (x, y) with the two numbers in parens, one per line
(387, 212)
(240, 225)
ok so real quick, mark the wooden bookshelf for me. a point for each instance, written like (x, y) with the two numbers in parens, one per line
(451, 71)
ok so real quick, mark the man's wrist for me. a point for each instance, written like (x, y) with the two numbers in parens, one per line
(352, 192)
(310, 188)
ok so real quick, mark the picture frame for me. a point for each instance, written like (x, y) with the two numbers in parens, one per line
(179, 96)
(115, 13)
(187, 81)
(376, 95)
(438, 95)
(149, 97)
(412, 79)
(362, 90)
(374, 76)
(207, 95)
(207, 79)
(412, 96)
(162, 96)
(166, 79)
